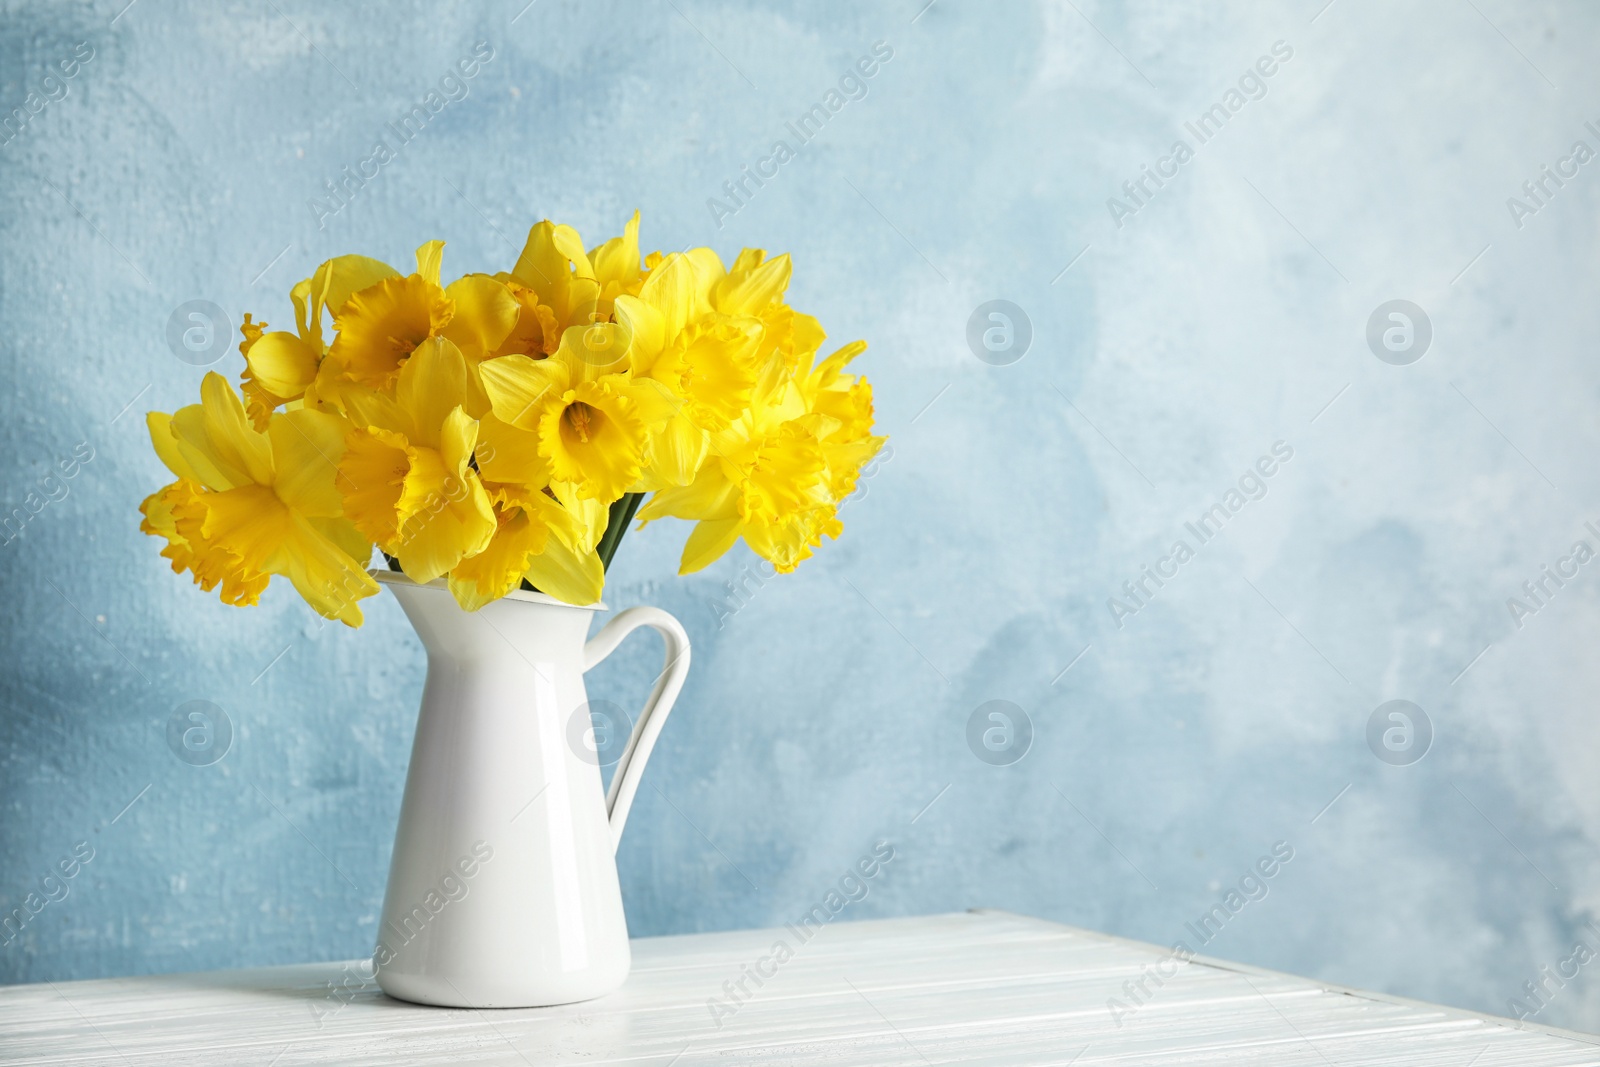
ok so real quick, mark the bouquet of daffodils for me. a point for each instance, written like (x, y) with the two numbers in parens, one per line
(504, 430)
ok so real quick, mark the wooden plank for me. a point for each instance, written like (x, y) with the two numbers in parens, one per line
(967, 988)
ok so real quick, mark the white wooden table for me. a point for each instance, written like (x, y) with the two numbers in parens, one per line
(980, 987)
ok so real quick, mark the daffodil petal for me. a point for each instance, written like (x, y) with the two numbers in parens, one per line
(541, 267)
(707, 543)
(710, 496)
(546, 266)
(457, 438)
(331, 287)
(194, 446)
(433, 383)
(458, 522)
(485, 314)
(584, 521)
(592, 349)
(282, 363)
(647, 328)
(568, 569)
(372, 476)
(654, 402)
(518, 385)
(430, 257)
(508, 454)
(499, 568)
(368, 407)
(617, 261)
(673, 290)
(748, 292)
(835, 364)
(349, 540)
(570, 245)
(232, 439)
(306, 449)
(166, 445)
(677, 452)
(322, 572)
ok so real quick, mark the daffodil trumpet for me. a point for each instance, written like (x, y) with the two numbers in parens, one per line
(505, 430)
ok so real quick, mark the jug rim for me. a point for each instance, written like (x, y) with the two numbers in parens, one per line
(388, 577)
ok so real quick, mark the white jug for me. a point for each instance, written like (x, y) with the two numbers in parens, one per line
(503, 887)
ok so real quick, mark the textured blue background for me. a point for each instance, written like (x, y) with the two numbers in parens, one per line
(828, 713)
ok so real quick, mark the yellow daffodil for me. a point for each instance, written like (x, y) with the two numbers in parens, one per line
(754, 287)
(615, 268)
(510, 456)
(521, 533)
(554, 265)
(591, 417)
(766, 488)
(282, 369)
(379, 327)
(753, 284)
(248, 504)
(406, 475)
(706, 361)
(280, 366)
(504, 429)
(777, 473)
(537, 333)
(569, 567)
(537, 538)
(843, 403)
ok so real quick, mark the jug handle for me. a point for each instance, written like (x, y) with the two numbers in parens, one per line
(630, 768)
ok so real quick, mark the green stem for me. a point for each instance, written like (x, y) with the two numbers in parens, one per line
(622, 512)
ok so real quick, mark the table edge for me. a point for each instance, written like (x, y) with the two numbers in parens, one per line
(1332, 987)
(1592, 1040)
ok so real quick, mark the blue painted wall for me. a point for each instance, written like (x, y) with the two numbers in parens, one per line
(1175, 339)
